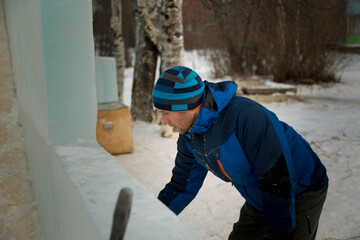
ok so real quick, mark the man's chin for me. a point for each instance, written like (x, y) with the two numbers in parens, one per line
(179, 130)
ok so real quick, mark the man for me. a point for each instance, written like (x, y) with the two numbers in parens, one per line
(267, 161)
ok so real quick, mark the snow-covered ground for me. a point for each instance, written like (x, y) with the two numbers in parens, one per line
(329, 119)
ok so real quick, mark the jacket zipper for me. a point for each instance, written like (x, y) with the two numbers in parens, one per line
(223, 170)
(211, 169)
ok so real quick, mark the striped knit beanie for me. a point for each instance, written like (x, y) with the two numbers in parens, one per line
(178, 89)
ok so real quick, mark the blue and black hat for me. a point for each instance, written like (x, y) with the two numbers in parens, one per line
(178, 89)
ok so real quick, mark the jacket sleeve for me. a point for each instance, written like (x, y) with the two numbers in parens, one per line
(261, 144)
(187, 178)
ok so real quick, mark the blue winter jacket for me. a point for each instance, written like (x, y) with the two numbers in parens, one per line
(242, 142)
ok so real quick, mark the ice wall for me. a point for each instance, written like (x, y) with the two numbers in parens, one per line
(69, 69)
(106, 84)
(75, 182)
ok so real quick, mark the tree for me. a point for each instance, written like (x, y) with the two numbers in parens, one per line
(128, 29)
(103, 33)
(172, 39)
(108, 35)
(118, 46)
(146, 53)
(296, 39)
(159, 32)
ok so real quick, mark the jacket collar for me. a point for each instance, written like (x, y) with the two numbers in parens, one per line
(216, 97)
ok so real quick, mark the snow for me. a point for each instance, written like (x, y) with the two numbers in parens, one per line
(18, 215)
(329, 119)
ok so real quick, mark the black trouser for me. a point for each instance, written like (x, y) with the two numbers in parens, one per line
(308, 207)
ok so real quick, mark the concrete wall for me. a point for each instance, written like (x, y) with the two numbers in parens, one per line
(75, 182)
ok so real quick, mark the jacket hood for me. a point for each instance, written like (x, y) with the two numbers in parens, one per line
(216, 97)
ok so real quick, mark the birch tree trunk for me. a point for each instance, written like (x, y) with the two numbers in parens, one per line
(159, 32)
(146, 50)
(118, 46)
(172, 37)
(172, 40)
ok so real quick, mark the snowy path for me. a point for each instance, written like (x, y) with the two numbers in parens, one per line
(329, 120)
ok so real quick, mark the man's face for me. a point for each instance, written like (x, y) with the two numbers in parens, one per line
(180, 121)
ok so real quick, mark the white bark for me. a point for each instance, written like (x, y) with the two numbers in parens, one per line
(172, 41)
(118, 50)
(159, 31)
(147, 50)
(148, 13)
(172, 38)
